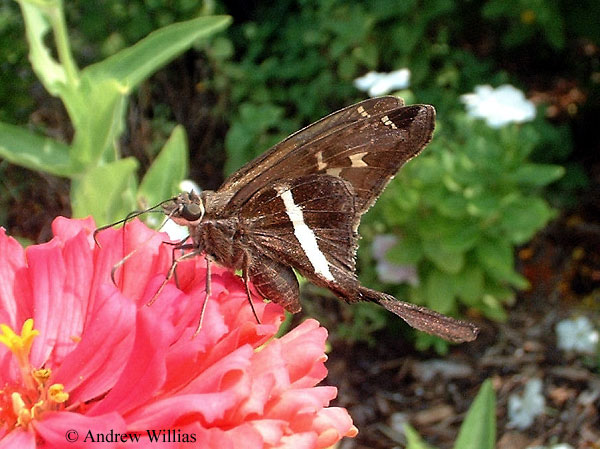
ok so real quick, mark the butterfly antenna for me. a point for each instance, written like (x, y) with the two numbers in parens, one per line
(129, 216)
(124, 221)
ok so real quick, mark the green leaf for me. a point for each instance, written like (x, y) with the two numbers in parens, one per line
(413, 439)
(469, 284)
(453, 206)
(428, 170)
(478, 430)
(439, 290)
(537, 175)
(21, 147)
(50, 72)
(134, 64)
(460, 236)
(408, 251)
(105, 192)
(169, 168)
(486, 205)
(97, 110)
(491, 306)
(445, 260)
(496, 257)
(523, 217)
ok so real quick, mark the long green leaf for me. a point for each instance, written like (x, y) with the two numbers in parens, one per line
(97, 110)
(134, 64)
(478, 430)
(50, 72)
(21, 147)
(169, 168)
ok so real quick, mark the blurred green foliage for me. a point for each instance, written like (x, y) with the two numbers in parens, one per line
(459, 210)
(103, 184)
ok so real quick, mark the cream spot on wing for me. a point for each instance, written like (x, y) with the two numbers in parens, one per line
(357, 160)
(334, 171)
(361, 111)
(320, 164)
(387, 122)
(306, 237)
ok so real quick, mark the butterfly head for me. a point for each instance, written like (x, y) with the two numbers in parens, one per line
(186, 209)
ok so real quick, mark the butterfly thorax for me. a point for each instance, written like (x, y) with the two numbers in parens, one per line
(210, 231)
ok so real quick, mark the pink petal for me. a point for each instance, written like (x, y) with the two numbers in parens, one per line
(188, 354)
(96, 363)
(16, 304)
(304, 400)
(260, 391)
(222, 374)
(271, 430)
(245, 436)
(54, 428)
(333, 423)
(59, 279)
(303, 349)
(67, 228)
(146, 257)
(18, 438)
(306, 440)
(167, 412)
(145, 371)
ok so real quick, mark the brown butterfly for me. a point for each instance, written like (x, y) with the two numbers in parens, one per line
(298, 206)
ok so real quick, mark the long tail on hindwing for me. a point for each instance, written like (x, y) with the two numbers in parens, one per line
(422, 318)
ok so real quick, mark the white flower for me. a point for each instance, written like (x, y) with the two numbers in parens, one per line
(383, 83)
(175, 231)
(501, 106)
(387, 271)
(577, 335)
(522, 410)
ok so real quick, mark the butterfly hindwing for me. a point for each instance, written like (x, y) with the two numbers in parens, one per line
(307, 223)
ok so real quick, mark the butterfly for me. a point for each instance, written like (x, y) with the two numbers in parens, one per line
(298, 207)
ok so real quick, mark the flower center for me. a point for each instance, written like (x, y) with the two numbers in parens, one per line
(27, 399)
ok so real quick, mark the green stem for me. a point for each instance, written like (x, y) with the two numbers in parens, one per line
(61, 38)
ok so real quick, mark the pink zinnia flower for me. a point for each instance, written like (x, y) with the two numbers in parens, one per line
(84, 361)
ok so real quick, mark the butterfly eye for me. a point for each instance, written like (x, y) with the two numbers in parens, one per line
(192, 212)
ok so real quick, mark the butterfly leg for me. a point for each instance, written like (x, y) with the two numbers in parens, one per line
(171, 273)
(246, 278)
(208, 292)
(176, 246)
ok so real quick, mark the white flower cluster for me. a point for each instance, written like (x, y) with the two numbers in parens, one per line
(387, 271)
(377, 84)
(499, 107)
(522, 410)
(577, 335)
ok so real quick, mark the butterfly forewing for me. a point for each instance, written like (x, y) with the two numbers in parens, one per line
(312, 132)
(369, 153)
